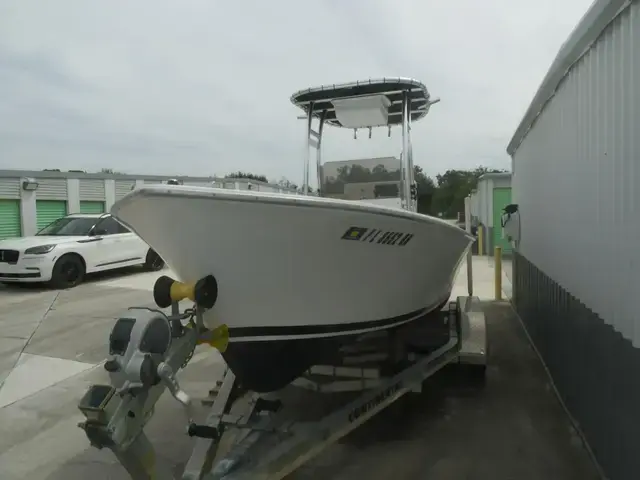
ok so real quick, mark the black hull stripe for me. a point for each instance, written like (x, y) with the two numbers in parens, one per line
(332, 329)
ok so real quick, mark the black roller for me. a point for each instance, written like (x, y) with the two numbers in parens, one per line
(162, 291)
(206, 291)
(203, 431)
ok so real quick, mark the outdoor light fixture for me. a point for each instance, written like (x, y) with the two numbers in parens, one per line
(29, 184)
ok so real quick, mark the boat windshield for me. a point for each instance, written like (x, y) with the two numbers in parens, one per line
(73, 226)
(365, 179)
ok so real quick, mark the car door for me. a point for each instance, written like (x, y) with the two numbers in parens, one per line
(111, 249)
(136, 249)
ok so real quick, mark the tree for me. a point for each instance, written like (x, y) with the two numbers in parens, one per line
(358, 174)
(250, 176)
(426, 189)
(354, 174)
(286, 183)
(381, 174)
(452, 188)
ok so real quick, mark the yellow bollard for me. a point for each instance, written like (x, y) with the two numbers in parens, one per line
(498, 272)
(480, 235)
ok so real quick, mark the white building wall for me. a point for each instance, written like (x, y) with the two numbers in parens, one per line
(198, 184)
(52, 189)
(110, 193)
(92, 189)
(10, 188)
(475, 205)
(122, 187)
(73, 195)
(485, 200)
(482, 201)
(577, 175)
(28, 217)
(74, 187)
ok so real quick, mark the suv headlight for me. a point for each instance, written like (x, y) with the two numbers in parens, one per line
(40, 250)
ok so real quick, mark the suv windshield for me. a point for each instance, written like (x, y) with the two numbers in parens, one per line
(69, 226)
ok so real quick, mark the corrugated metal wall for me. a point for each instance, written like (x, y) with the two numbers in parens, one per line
(52, 189)
(91, 189)
(576, 182)
(9, 188)
(123, 187)
(576, 179)
(483, 203)
(474, 206)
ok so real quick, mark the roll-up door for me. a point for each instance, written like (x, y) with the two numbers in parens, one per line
(48, 211)
(10, 218)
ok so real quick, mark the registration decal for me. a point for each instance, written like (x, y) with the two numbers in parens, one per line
(378, 236)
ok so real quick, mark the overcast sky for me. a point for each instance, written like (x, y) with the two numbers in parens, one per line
(202, 87)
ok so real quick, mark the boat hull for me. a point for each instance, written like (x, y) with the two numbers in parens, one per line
(292, 268)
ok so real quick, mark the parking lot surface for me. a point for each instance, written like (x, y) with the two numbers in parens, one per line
(52, 345)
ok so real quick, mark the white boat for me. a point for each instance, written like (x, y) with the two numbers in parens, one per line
(297, 275)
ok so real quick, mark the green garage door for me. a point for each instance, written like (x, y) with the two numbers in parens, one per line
(91, 207)
(501, 198)
(10, 219)
(48, 211)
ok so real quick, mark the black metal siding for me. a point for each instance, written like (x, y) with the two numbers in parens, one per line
(595, 369)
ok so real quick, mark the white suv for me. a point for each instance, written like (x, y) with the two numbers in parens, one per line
(62, 252)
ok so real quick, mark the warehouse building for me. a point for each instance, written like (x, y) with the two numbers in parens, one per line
(492, 194)
(30, 200)
(575, 181)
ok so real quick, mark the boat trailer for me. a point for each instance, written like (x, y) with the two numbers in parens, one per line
(252, 436)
